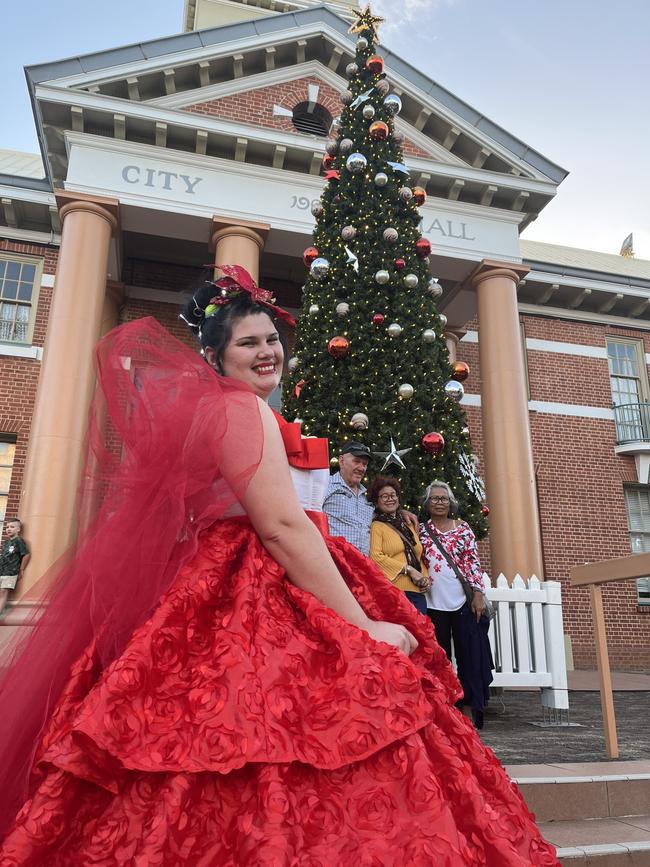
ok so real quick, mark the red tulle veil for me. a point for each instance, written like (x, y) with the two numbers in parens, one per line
(171, 447)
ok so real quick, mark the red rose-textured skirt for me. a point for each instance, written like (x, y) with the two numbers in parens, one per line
(247, 724)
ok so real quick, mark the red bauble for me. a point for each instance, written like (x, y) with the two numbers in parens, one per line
(419, 196)
(400, 264)
(328, 161)
(378, 319)
(433, 443)
(485, 511)
(461, 371)
(423, 247)
(309, 255)
(375, 64)
(338, 347)
(378, 131)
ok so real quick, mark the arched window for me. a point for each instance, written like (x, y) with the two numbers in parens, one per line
(312, 119)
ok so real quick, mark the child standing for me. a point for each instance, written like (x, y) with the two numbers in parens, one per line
(13, 559)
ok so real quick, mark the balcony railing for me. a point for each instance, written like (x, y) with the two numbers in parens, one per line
(632, 423)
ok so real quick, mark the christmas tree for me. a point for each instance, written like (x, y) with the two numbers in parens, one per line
(371, 363)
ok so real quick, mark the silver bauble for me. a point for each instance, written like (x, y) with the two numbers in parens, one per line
(331, 147)
(406, 391)
(346, 145)
(348, 233)
(382, 277)
(356, 163)
(411, 281)
(317, 209)
(319, 268)
(292, 364)
(382, 86)
(428, 335)
(405, 194)
(394, 329)
(368, 111)
(381, 179)
(443, 320)
(362, 43)
(313, 309)
(351, 69)
(393, 104)
(434, 288)
(390, 235)
(454, 390)
(359, 421)
(346, 97)
(343, 308)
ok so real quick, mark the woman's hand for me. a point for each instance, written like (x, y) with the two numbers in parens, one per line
(478, 604)
(392, 633)
(423, 582)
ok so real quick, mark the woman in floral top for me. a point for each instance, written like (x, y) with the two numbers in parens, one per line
(455, 618)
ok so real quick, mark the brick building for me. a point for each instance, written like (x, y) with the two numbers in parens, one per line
(210, 142)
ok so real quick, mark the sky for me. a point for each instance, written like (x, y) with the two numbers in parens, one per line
(569, 77)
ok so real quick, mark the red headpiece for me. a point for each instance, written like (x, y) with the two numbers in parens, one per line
(238, 280)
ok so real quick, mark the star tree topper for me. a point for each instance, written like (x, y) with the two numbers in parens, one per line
(394, 456)
(366, 21)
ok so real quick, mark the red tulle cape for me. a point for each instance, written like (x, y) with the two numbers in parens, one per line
(164, 460)
(244, 723)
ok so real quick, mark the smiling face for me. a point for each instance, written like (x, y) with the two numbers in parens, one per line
(254, 354)
(352, 469)
(387, 500)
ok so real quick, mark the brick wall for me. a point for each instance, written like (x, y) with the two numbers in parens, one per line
(256, 106)
(19, 376)
(580, 482)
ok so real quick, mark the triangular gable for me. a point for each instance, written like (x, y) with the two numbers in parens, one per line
(272, 107)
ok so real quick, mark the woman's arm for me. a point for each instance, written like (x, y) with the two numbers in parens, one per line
(292, 539)
(392, 567)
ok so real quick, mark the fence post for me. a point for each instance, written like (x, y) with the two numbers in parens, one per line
(557, 695)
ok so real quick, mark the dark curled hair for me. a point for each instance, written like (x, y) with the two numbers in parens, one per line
(215, 331)
(380, 482)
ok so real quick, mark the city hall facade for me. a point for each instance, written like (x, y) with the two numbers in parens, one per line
(207, 146)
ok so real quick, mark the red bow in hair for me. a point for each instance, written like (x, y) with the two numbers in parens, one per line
(238, 280)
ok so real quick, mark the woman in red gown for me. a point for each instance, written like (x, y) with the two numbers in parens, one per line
(215, 681)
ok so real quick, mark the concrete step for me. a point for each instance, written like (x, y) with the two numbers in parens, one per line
(596, 815)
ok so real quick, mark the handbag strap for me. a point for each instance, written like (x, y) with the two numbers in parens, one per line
(450, 560)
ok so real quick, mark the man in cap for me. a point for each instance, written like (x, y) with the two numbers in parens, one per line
(348, 511)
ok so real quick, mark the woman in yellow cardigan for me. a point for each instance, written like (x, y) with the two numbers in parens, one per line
(394, 547)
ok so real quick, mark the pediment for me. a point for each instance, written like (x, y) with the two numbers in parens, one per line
(269, 102)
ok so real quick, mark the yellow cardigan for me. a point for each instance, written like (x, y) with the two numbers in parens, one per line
(387, 551)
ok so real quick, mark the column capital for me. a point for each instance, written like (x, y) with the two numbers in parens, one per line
(492, 268)
(222, 227)
(109, 209)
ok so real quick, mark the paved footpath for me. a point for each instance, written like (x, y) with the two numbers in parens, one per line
(509, 731)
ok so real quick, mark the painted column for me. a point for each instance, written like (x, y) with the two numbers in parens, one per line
(239, 244)
(515, 536)
(67, 379)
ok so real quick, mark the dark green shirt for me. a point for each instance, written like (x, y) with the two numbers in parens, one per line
(13, 551)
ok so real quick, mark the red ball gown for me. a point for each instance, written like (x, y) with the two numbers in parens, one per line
(242, 722)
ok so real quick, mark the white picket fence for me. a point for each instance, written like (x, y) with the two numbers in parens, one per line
(527, 637)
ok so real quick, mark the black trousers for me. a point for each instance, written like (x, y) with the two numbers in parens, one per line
(447, 625)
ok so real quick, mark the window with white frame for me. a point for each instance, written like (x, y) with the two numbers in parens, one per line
(629, 383)
(7, 454)
(637, 503)
(20, 278)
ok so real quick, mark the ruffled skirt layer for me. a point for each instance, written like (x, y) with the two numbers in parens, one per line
(247, 724)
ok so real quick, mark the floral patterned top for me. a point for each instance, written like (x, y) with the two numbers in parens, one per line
(460, 544)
